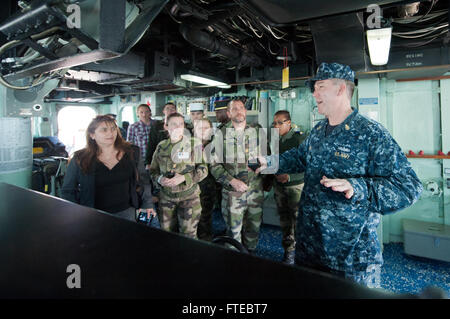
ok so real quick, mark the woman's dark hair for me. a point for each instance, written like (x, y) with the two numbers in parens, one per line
(86, 156)
(285, 113)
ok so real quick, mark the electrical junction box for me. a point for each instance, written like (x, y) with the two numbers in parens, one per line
(426, 239)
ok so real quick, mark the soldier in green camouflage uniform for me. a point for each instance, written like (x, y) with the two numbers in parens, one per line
(220, 108)
(158, 133)
(196, 112)
(177, 170)
(287, 187)
(242, 194)
(203, 130)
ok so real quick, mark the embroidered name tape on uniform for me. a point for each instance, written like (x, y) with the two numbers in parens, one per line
(343, 155)
(183, 155)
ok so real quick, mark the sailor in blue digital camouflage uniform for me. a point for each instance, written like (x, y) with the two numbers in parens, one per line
(354, 173)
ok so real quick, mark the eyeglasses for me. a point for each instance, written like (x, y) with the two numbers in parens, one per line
(278, 122)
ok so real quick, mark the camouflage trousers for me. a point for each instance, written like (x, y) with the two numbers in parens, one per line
(242, 213)
(207, 199)
(180, 215)
(287, 199)
(370, 278)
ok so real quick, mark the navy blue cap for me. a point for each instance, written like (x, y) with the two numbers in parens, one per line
(334, 70)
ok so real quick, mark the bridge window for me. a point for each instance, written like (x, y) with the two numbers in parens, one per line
(127, 114)
(72, 124)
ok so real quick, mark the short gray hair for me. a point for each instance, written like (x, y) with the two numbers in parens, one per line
(348, 84)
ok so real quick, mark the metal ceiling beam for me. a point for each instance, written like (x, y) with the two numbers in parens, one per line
(62, 63)
(283, 12)
(112, 25)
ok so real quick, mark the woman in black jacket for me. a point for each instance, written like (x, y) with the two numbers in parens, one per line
(103, 175)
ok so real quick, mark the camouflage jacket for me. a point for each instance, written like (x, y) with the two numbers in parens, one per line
(183, 157)
(292, 139)
(334, 231)
(230, 158)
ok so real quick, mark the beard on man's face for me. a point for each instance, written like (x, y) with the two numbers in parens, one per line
(238, 118)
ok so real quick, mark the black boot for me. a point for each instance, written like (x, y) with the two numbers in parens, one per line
(289, 257)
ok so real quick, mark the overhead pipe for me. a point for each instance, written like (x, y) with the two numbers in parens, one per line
(210, 43)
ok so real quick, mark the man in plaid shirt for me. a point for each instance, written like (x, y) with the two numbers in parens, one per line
(138, 134)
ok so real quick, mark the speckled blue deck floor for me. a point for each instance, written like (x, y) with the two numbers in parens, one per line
(400, 273)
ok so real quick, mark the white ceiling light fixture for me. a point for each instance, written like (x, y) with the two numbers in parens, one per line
(379, 41)
(202, 79)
